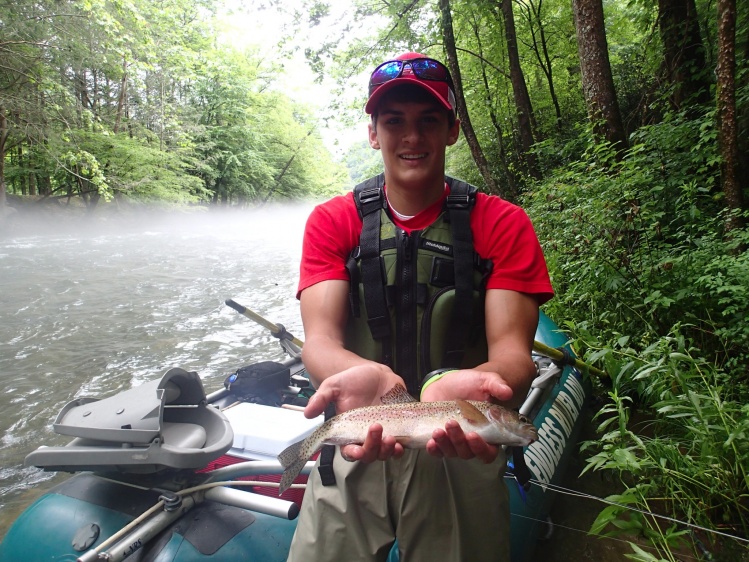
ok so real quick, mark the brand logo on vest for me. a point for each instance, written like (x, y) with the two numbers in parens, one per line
(432, 245)
(543, 456)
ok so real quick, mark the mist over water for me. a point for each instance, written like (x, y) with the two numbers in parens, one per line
(91, 307)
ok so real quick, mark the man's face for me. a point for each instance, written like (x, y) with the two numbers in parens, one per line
(413, 137)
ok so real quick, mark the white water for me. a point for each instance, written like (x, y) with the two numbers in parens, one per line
(90, 307)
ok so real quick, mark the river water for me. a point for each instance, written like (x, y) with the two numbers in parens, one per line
(89, 307)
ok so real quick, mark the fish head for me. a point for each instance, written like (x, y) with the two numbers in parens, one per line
(517, 430)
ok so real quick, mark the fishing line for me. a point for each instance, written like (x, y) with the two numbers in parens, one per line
(575, 493)
(598, 537)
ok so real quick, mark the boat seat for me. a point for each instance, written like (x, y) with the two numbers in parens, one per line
(183, 435)
(162, 424)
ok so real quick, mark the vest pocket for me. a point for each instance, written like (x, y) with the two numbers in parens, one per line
(437, 329)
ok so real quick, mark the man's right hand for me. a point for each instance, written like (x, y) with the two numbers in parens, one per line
(358, 386)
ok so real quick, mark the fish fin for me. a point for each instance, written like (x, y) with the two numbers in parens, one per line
(290, 474)
(397, 395)
(471, 413)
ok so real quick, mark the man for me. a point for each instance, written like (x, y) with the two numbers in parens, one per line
(385, 298)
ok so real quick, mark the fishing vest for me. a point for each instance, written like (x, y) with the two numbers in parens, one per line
(417, 300)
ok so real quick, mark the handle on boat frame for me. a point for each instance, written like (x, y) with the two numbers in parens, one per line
(557, 355)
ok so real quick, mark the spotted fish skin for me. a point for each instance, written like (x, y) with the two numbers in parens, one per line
(411, 423)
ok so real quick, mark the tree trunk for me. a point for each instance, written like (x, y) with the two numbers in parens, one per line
(598, 83)
(519, 90)
(683, 52)
(3, 139)
(502, 160)
(541, 50)
(492, 185)
(121, 98)
(726, 111)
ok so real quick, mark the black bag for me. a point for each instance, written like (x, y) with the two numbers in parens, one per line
(258, 379)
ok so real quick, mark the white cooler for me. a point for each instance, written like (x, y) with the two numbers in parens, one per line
(262, 432)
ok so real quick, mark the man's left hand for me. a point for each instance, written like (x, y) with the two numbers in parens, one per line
(452, 442)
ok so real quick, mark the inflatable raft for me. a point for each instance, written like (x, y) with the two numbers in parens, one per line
(165, 473)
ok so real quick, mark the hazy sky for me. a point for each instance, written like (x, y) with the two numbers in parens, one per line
(250, 23)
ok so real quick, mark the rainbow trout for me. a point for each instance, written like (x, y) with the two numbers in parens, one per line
(411, 423)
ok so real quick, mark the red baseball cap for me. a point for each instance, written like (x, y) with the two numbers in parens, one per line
(439, 88)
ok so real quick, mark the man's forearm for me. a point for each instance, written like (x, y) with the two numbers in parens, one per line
(324, 357)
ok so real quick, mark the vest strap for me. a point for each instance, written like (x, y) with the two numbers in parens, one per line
(369, 197)
(459, 204)
(519, 469)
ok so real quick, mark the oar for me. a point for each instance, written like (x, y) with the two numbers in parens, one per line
(538, 347)
(566, 359)
(276, 330)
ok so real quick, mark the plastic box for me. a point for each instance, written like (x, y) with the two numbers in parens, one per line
(262, 432)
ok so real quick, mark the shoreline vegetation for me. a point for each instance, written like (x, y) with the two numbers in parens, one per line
(624, 135)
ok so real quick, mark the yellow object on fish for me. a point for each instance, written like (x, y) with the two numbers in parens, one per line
(412, 424)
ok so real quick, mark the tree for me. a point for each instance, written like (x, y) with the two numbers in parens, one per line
(726, 98)
(525, 117)
(452, 61)
(683, 52)
(540, 47)
(597, 80)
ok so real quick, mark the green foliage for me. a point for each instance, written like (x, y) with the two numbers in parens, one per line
(654, 290)
(689, 455)
(649, 232)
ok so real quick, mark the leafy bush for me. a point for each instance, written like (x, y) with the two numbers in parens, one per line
(637, 246)
(654, 289)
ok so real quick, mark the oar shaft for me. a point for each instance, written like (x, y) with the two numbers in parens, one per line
(273, 328)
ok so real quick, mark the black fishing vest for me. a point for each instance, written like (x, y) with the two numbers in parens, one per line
(417, 300)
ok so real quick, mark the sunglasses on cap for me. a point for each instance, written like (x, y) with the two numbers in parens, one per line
(423, 68)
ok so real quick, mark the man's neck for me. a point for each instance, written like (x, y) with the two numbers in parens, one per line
(410, 201)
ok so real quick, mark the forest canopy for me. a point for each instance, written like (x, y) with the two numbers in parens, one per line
(143, 100)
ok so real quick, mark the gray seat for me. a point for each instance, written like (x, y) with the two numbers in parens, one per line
(161, 424)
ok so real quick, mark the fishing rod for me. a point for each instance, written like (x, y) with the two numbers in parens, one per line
(558, 355)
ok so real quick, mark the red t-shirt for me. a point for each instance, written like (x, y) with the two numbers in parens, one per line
(501, 231)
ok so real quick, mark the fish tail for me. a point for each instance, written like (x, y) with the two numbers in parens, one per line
(291, 454)
(292, 459)
(290, 474)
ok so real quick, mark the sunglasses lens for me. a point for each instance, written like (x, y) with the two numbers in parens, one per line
(385, 73)
(427, 69)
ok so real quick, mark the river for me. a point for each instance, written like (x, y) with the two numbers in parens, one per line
(89, 307)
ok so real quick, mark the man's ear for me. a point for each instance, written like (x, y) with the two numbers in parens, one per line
(454, 133)
(373, 142)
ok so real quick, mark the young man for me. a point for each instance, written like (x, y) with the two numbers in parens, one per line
(387, 298)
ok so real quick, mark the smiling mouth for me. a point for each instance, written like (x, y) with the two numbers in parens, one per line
(413, 156)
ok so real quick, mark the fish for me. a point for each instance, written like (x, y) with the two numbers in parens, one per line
(411, 423)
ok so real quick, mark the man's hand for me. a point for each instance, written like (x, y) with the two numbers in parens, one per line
(362, 385)
(451, 442)
(375, 447)
(468, 384)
